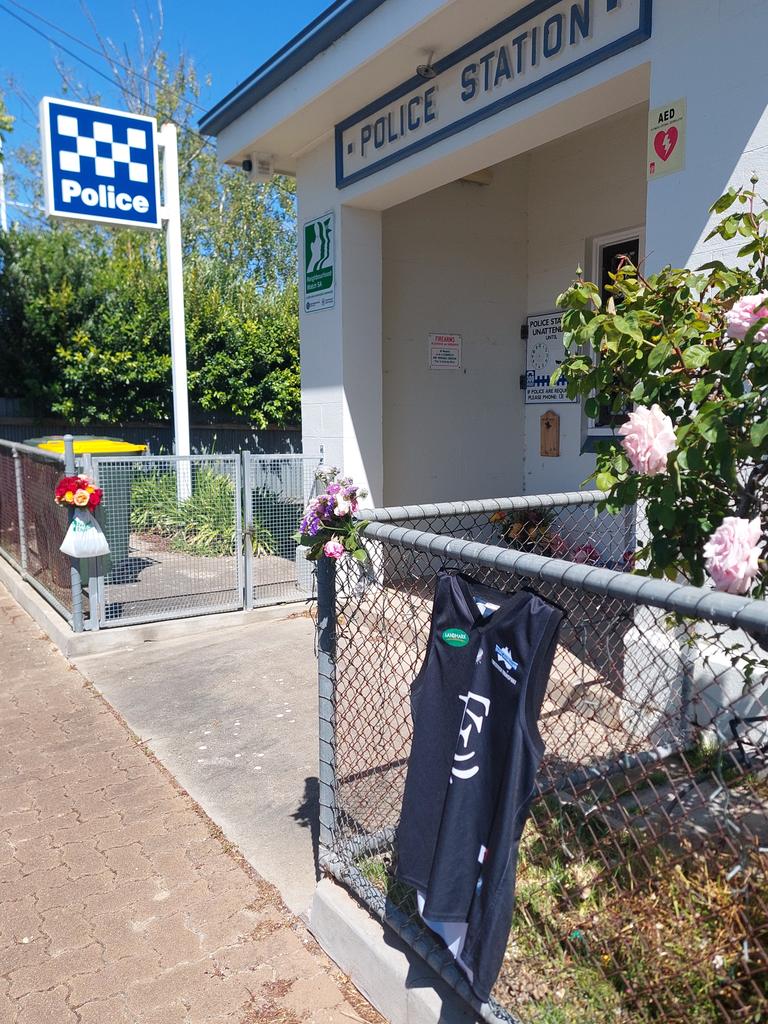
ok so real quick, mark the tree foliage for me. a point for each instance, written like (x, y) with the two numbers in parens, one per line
(84, 328)
(663, 339)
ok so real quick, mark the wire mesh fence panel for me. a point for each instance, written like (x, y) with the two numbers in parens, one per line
(9, 511)
(276, 490)
(45, 524)
(642, 882)
(174, 528)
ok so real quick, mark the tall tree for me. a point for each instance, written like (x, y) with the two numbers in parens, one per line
(83, 310)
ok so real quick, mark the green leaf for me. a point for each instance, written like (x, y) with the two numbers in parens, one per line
(637, 391)
(695, 356)
(701, 390)
(604, 481)
(758, 433)
(659, 355)
(361, 555)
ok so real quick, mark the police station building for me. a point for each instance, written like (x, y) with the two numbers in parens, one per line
(456, 161)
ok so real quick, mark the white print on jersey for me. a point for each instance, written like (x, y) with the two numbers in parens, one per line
(476, 721)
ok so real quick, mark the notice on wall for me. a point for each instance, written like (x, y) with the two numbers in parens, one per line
(544, 354)
(666, 139)
(444, 352)
(320, 263)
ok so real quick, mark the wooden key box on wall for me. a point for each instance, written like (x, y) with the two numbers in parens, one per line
(550, 434)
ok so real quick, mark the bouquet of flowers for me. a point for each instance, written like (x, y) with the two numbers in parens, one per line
(79, 492)
(84, 538)
(327, 527)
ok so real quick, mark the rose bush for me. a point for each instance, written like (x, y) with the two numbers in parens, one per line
(683, 356)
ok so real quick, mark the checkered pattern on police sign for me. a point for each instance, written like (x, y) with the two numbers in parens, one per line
(100, 164)
(101, 148)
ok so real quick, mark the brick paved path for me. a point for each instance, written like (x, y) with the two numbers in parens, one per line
(120, 902)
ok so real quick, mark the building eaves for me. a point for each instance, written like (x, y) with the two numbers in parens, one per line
(321, 33)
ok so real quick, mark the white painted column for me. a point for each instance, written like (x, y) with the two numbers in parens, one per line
(341, 363)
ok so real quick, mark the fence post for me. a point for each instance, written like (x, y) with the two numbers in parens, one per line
(94, 583)
(20, 514)
(74, 563)
(247, 530)
(326, 682)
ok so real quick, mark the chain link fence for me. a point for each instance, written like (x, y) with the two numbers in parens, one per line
(642, 885)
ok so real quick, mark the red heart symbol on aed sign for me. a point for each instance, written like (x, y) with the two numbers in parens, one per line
(665, 141)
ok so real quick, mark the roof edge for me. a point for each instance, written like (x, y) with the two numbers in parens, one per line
(321, 33)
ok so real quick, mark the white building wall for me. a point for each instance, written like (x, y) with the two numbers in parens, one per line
(587, 184)
(712, 52)
(455, 262)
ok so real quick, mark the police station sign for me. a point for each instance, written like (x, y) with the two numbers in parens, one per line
(99, 165)
(545, 352)
(545, 43)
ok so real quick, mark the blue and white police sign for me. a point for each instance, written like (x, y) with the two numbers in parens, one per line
(99, 164)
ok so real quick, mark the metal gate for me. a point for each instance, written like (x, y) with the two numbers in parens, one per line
(275, 490)
(174, 526)
(198, 534)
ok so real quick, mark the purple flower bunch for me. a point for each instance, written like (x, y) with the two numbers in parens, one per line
(327, 526)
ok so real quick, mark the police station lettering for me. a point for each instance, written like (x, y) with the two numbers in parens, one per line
(509, 60)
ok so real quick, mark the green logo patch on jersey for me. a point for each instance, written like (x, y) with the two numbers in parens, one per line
(455, 637)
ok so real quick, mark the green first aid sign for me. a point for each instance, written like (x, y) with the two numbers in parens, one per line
(320, 263)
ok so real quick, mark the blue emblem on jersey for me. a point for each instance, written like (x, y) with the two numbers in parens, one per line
(504, 655)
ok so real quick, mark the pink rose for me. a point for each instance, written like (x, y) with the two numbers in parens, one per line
(731, 554)
(648, 437)
(746, 312)
(333, 548)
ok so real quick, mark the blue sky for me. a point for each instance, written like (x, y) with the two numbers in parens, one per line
(227, 40)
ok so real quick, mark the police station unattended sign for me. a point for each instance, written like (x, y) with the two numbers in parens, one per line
(545, 353)
(99, 164)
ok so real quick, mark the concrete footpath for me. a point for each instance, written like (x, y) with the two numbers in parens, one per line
(231, 712)
(120, 901)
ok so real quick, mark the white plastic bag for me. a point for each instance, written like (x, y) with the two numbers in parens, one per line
(84, 538)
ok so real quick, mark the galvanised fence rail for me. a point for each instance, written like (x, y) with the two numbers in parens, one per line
(187, 535)
(642, 885)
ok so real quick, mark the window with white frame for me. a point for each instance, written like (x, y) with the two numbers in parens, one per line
(607, 253)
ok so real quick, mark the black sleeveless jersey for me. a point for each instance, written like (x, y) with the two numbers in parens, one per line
(475, 752)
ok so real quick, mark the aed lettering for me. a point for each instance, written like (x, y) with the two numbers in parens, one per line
(104, 196)
(396, 124)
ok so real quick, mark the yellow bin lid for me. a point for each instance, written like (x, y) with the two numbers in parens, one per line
(93, 446)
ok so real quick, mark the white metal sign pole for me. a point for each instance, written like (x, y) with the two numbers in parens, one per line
(171, 214)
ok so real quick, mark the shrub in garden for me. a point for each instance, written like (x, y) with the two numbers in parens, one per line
(683, 354)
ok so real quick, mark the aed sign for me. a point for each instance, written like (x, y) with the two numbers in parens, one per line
(666, 139)
(545, 353)
(544, 44)
(320, 263)
(99, 164)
